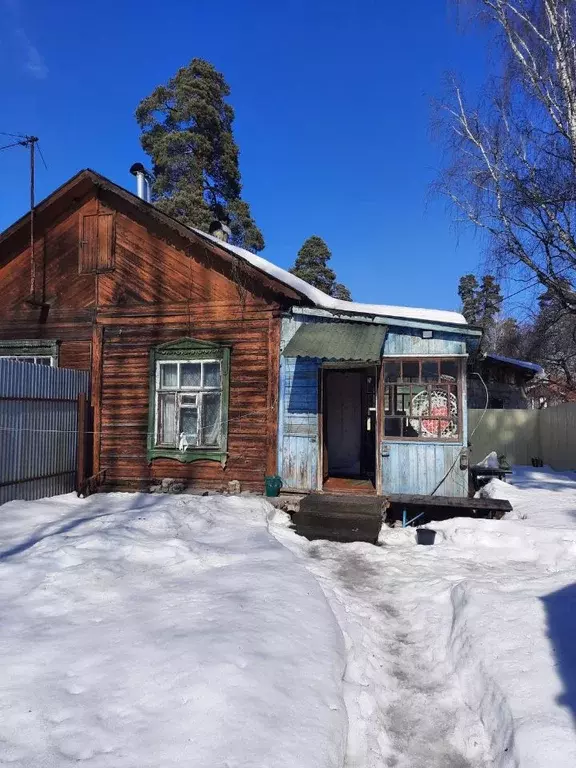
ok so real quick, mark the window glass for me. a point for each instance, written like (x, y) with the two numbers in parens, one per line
(169, 376)
(388, 395)
(418, 397)
(393, 427)
(211, 374)
(429, 427)
(411, 428)
(167, 419)
(430, 370)
(402, 400)
(190, 374)
(391, 371)
(189, 425)
(423, 404)
(211, 420)
(410, 370)
(448, 370)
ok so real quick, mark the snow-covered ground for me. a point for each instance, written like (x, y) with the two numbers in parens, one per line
(159, 631)
(462, 654)
(143, 631)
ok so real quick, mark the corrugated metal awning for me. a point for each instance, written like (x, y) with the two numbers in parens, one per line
(338, 341)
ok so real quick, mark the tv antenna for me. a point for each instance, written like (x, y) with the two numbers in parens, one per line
(30, 143)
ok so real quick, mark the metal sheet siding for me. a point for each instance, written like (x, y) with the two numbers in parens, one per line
(338, 341)
(38, 437)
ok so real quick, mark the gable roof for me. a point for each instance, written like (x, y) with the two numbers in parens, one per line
(322, 300)
(274, 277)
(15, 238)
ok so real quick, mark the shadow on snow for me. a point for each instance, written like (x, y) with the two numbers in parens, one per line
(561, 614)
(98, 508)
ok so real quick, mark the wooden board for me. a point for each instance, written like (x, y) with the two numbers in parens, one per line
(415, 500)
(111, 310)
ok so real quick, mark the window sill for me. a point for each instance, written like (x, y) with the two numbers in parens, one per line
(186, 457)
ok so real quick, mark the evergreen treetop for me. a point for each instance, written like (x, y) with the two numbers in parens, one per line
(311, 265)
(187, 131)
(481, 305)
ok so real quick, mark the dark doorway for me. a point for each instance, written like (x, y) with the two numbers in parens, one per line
(349, 408)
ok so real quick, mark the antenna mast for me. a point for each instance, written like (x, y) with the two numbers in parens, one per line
(30, 142)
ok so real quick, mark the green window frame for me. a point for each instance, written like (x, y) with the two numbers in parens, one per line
(189, 394)
(38, 351)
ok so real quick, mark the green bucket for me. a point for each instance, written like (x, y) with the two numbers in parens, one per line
(272, 483)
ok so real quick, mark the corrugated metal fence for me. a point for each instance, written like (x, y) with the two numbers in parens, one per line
(549, 434)
(38, 429)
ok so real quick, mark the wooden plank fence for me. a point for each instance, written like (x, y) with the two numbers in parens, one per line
(43, 421)
(548, 434)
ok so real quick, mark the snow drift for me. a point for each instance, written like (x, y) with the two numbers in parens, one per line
(146, 631)
(461, 654)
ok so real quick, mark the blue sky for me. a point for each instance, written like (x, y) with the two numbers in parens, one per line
(333, 118)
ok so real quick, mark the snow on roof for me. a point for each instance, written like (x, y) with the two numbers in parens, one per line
(323, 301)
(512, 361)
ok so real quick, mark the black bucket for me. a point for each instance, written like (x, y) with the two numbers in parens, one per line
(425, 536)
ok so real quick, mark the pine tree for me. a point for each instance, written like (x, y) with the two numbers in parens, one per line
(509, 338)
(553, 343)
(489, 300)
(187, 131)
(339, 291)
(467, 290)
(481, 305)
(312, 266)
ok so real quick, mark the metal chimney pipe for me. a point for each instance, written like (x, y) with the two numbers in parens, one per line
(142, 181)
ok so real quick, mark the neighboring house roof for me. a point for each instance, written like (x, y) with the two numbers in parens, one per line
(284, 281)
(523, 364)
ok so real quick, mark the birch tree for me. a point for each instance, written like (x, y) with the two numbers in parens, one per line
(512, 171)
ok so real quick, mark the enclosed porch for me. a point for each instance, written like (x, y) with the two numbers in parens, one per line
(370, 408)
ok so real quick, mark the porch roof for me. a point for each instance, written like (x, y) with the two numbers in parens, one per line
(338, 341)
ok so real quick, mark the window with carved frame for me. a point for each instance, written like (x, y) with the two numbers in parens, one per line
(189, 385)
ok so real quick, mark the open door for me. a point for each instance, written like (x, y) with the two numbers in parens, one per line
(349, 429)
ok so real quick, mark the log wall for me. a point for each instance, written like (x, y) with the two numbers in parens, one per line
(108, 304)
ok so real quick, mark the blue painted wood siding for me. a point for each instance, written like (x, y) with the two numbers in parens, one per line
(420, 467)
(408, 341)
(298, 438)
(298, 435)
(410, 467)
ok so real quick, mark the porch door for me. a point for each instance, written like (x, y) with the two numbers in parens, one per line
(343, 394)
(350, 424)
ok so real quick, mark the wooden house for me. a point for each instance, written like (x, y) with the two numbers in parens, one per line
(209, 364)
(505, 381)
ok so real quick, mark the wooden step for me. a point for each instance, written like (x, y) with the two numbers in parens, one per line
(340, 518)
